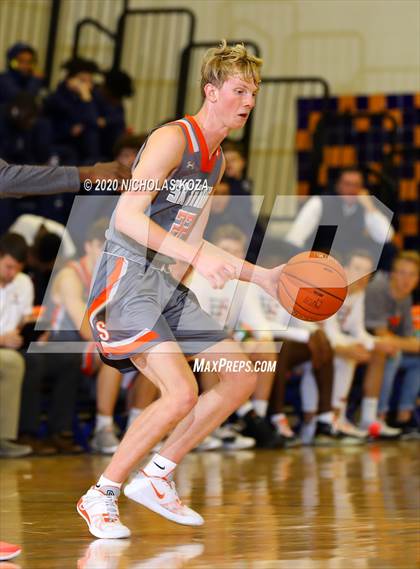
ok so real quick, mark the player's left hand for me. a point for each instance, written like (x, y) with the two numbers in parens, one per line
(271, 280)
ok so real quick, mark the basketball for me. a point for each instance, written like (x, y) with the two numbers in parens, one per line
(312, 286)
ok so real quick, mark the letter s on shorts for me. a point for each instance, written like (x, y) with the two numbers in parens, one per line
(102, 331)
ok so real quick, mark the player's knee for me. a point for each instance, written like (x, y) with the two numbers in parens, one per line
(243, 385)
(183, 401)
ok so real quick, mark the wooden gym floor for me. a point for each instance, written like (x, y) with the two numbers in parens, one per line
(300, 509)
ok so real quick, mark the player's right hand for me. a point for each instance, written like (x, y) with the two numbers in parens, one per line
(12, 340)
(215, 269)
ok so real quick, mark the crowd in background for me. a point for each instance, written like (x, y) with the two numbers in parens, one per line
(362, 365)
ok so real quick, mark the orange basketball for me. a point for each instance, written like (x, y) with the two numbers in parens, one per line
(312, 286)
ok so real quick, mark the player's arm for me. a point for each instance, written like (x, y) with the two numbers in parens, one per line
(161, 156)
(69, 292)
(244, 270)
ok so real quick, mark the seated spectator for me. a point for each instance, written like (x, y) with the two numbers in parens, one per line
(16, 297)
(353, 345)
(21, 75)
(388, 315)
(361, 224)
(72, 111)
(236, 307)
(108, 98)
(31, 226)
(69, 292)
(304, 344)
(25, 136)
(226, 210)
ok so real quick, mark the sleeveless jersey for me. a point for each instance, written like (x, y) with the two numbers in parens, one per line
(182, 196)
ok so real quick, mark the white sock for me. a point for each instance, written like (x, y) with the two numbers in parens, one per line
(103, 481)
(327, 417)
(244, 409)
(277, 418)
(342, 417)
(132, 415)
(309, 392)
(103, 421)
(369, 410)
(307, 432)
(159, 466)
(260, 407)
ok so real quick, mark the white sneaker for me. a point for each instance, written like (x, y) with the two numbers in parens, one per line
(209, 443)
(105, 441)
(380, 430)
(232, 440)
(349, 429)
(283, 428)
(160, 496)
(99, 508)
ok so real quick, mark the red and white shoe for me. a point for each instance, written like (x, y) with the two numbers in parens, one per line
(9, 550)
(380, 430)
(160, 496)
(99, 508)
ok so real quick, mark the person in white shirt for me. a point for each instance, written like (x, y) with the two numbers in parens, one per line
(236, 307)
(352, 343)
(28, 225)
(352, 210)
(305, 346)
(16, 298)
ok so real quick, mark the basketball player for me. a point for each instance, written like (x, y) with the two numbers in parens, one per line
(143, 319)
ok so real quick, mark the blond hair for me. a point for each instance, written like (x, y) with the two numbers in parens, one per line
(221, 63)
(409, 256)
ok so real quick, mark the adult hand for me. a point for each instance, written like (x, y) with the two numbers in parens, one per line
(12, 340)
(386, 345)
(81, 88)
(358, 353)
(321, 350)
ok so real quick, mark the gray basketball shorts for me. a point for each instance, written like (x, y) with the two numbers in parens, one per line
(134, 306)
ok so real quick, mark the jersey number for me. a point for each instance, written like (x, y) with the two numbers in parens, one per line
(183, 223)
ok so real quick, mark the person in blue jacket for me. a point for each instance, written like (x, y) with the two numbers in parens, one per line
(73, 113)
(21, 74)
(25, 135)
